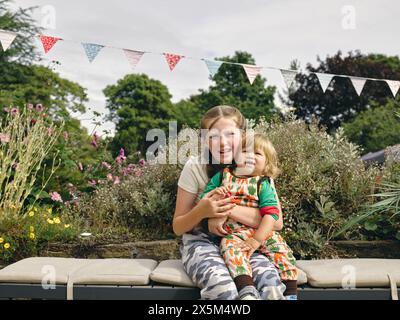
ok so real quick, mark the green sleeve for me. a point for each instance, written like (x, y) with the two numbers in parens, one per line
(268, 203)
(215, 182)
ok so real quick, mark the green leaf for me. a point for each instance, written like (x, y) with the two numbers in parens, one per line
(370, 226)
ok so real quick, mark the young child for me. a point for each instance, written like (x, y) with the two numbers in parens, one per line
(254, 189)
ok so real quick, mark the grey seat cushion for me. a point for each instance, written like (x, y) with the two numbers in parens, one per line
(347, 272)
(83, 271)
(172, 272)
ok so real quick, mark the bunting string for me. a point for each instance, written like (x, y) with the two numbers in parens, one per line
(252, 71)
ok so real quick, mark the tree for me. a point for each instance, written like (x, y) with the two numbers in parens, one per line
(137, 104)
(376, 128)
(340, 103)
(233, 88)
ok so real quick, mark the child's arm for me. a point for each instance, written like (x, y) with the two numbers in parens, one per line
(213, 184)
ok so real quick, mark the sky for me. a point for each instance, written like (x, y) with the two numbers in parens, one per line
(275, 32)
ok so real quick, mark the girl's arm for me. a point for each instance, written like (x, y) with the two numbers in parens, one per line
(187, 216)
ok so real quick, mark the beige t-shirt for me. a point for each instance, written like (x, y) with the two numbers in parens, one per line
(194, 177)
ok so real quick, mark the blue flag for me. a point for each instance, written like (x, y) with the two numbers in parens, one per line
(213, 66)
(92, 50)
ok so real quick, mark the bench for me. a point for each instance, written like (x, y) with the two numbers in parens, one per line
(144, 279)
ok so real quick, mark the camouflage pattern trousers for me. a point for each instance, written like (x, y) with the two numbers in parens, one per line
(203, 262)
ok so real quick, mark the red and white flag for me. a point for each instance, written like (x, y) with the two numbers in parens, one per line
(48, 42)
(172, 60)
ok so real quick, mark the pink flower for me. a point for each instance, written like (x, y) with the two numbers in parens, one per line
(29, 106)
(95, 139)
(50, 131)
(55, 196)
(121, 157)
(39, 107)
(66, 136)
(138, 173)
(110, 177)
(4, 138)
(14, 111)
(142, 162)
(106, 165)
(6, 110)
(92, 182)
(116, 180)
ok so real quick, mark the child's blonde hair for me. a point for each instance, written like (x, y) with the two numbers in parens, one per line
(263, 144)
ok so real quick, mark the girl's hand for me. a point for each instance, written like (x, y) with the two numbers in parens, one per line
(216, 226)
(249, 246)
(212, 206)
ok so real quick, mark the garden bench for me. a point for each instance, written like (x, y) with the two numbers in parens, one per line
(144, 279)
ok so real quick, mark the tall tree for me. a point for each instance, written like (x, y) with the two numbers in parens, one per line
(340, 103)
(137, 104)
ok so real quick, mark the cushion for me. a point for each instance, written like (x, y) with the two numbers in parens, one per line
(172, 272)
(346, 272)
(85, 271)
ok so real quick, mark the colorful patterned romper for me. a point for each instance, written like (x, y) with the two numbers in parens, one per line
(244, 191)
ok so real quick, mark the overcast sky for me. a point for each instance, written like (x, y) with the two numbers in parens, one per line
(274, 32)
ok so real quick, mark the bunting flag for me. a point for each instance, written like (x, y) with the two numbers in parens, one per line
(394, 86)
(92, 50)
(6, 38)
(288, 76)
(133, 57)
(48, 42)
(172, 60)
(251, 71)
(324, 80)
(358, 84)
(213, 66)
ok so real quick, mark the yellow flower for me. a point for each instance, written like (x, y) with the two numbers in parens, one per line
(35, 209)
(31, 213)
(31, 229)
(66, 226)
(50, 221)
(32, 235)
(50, 210)
(6, 245)
(57, 220)
(1, 240)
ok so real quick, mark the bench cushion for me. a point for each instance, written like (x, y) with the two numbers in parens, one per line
(367, 272)
(172, 272)
(83, 271)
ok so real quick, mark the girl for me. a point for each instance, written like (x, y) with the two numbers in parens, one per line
(251, 188)
(200, 252)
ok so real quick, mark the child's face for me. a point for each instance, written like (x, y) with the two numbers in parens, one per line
(252, 162)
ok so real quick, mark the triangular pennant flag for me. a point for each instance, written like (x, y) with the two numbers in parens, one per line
(6, 38)
(48, 42)
(394, 86)
(358, 84)
(172, 60)
(92, 50)
(133, 56)
(324, 80)
(251, 71)
(213, 66)
(288, 76)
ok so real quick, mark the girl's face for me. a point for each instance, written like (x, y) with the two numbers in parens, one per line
(251, 162)
(223, 140)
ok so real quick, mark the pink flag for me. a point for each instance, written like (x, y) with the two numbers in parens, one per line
(133, 56)
(48, 42)
(172, 60)
(251, 71)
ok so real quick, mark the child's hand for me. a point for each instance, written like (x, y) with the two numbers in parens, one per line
(250, 245)
(223, 191)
